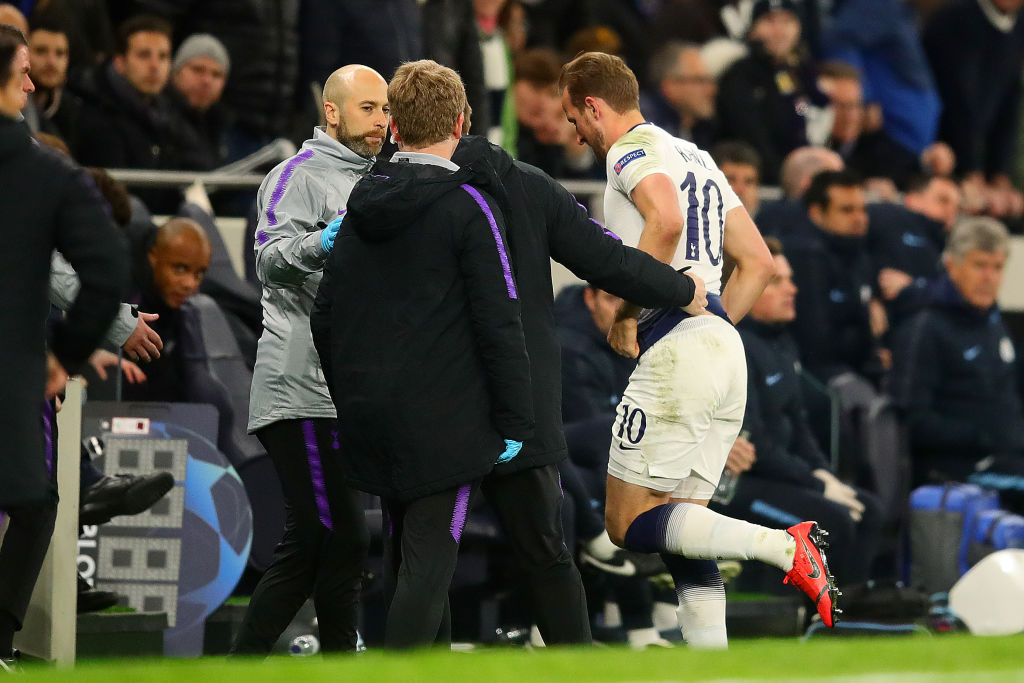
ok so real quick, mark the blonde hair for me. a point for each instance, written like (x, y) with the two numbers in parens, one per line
(426, 100)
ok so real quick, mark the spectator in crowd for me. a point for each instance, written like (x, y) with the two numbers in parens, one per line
(498, 54)
(954, 370)
(57, 109)
(871, 153)
(46, 204)
(880, 39)
(976, 50)
(88, 26)
(788, 478)
(742, 168)
(683, 98)
(12, 16)
(199, 73)
(452, 37)
(906, 243)
(769, 98)
(165, 276)
(837, 328)
(801, 166)
(544, 139)
(127, 121)
(262, 37)
(780, 217)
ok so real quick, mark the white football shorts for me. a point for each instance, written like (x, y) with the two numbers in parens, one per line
(682, 411)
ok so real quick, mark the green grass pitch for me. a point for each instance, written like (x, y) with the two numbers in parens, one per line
(921, 659)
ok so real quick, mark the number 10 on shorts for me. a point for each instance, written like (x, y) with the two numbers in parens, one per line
(630, 423)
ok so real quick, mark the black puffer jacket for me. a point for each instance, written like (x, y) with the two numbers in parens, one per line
(418, 331)
(46, 204)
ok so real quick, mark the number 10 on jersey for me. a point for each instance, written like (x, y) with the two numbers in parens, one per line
(697, 215)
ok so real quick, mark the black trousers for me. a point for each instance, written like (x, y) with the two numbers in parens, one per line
(528, 505)
(421, 548)
(323, 550)
(27, 539)
(778, 504)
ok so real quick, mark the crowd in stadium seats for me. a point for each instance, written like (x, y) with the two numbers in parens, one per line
(891, 127)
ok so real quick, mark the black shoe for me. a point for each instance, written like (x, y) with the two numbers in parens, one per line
(625, 563)
(11, 663)
(123, 494)
(92, 600)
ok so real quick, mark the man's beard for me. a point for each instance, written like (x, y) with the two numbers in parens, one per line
(357, 143)
(597, 145)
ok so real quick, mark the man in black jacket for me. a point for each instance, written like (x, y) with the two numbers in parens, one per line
(432, 383)
(789, 478)
(127, 121)
(906, 244)
(833, 272)
(46, 204)
(546, 222)
(954, 370)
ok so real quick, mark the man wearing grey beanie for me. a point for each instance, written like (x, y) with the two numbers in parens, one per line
(198, 75)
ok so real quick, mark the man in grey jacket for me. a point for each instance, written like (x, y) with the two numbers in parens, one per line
(300, 204)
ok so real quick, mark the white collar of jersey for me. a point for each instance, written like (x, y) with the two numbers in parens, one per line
(424, 158)
(1002, 22)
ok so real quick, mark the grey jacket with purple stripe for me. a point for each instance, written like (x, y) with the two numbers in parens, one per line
(313, 186)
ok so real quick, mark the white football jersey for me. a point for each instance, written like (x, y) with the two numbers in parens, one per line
(704, 195)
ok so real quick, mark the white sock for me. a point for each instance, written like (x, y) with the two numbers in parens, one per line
(697, 532)
(701, 615)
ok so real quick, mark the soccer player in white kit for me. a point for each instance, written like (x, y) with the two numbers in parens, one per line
(683, 408)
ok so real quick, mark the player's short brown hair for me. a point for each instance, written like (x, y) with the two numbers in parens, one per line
(774, 245)
(596, 74)
(426, 100)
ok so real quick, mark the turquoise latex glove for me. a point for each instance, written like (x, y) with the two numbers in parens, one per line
(512, 449)
(328, 234)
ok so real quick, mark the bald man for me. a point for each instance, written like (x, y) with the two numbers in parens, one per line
(9, 14)
(171, 273)
(300, 206)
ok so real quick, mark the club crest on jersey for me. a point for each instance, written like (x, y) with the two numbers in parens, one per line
(624, 161)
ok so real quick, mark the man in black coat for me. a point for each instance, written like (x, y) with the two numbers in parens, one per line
(765, 98)
(46, 204)
(127, 121)
(833, 272)
(418, 331)
(906, 244)
(545, 222)
(954, 369)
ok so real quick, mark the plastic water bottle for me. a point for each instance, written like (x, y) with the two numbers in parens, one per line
(304, 646)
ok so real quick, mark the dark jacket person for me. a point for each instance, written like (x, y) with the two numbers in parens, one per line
(46, 204)
(417, 327)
